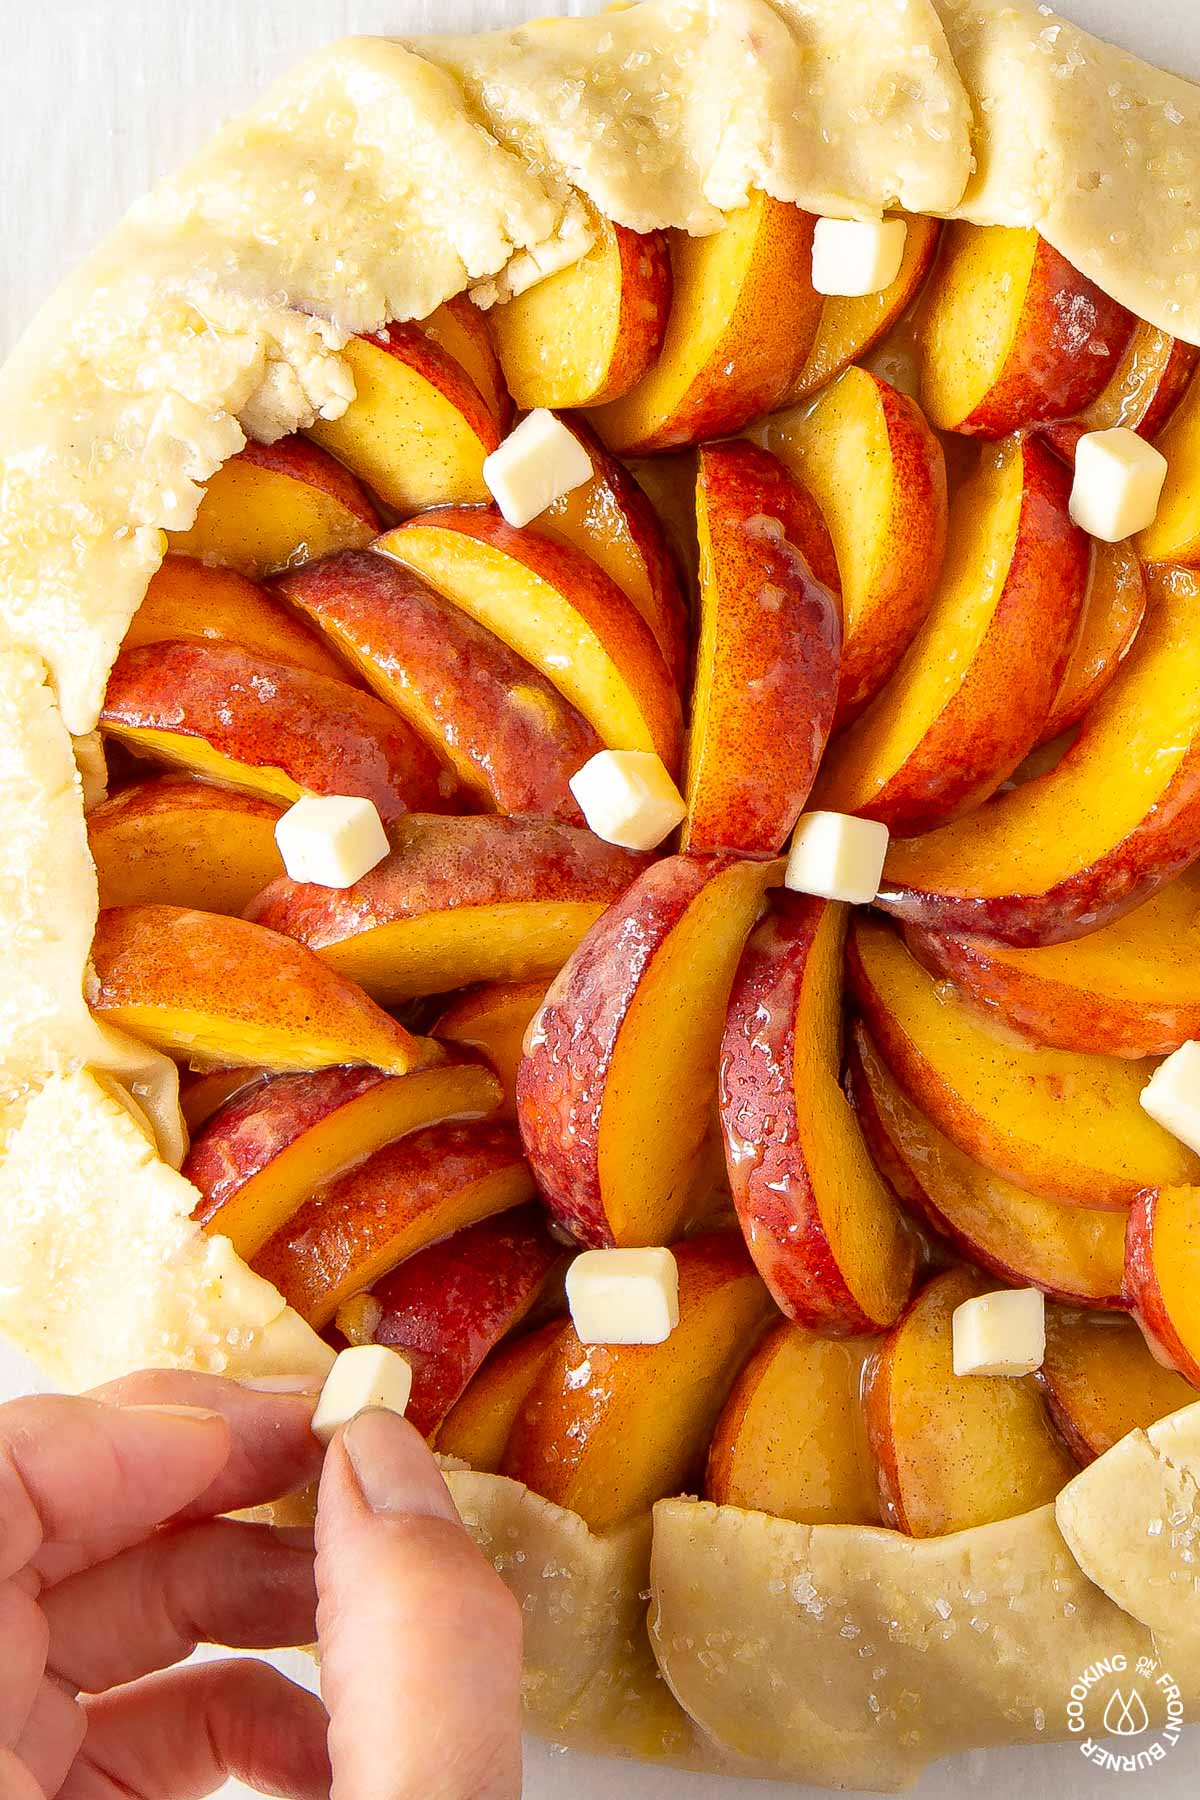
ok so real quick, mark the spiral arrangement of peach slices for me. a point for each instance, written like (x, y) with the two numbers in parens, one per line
(815, 555)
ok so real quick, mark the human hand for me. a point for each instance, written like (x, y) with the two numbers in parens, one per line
(114, 1564)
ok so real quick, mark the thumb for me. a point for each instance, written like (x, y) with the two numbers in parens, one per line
(420, 1639)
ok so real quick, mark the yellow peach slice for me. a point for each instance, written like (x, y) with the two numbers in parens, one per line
(174, 842)
(273, 506)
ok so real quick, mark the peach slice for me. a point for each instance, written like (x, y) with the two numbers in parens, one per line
(1174, 536)
(878, 474)
(1012, 334)
(607, 1431)
(968, 701)
(558, 610)
(477, 1427)
(508, 734)
(266, 728)
(952, 1451)
(465, 333)
(1074, 1252)
(823, 1228)
(767, 661)
(627, 1039)
(743, 318)
(174, 842)
(492, 1020)
(1162, 1273)
(446, 1307)
(220, 993)
(200, 1096)
(613, 522)
(1130, 989)
(848, 328)
(194, 601)
(274, 505)
(1142, 391)
(418, 429)
(1100, 1381)
(458, 900)
(425, 1186)
(590, 332)
(260, 1157)
(792, 1439)
(1112, 616)
(1117, 818)
(1054, 1122)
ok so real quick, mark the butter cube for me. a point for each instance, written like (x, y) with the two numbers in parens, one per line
(536, 465)
(623, 1296)
(364, 1376)
(628, 798)
(837, 857)
(857, 256)
(1000, 1334)
(1172, 1095)
(332, 839)
(1118, 483)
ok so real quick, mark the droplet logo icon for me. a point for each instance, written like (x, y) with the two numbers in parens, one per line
(1126, 1715)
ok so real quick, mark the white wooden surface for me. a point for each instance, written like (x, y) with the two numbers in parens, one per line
(97, 98)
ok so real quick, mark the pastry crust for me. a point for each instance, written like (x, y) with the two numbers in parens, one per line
(373, 183)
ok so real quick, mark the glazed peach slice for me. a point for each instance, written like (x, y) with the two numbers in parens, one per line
(426, 1186)
(477, 1427)
(458, 900)
(275, 505)
(202, 1095)
(952, 1451)
(273, 1144)
(823, 1228)
(627, 1039)
(556, 608)
(418, 429)
(1116, 602)
(590, 332)
(1054, 1122)
(190, 601)
(1162, 1274)
(607, 1430)
(220, 993)
(465, 333)
(507, 733)
(743, 318)
(174, 842)
(1100, 1381)
(446, 1307)
(227, 715)
(1130, 989)
(849, 328)
(792, 1439)
(1143, 390)
(969, 699)
(1074, 1252)
(877, 472)
(492, 1020)
(1011, 334)
(767, 662)
(1174, 537)
(1116, 819)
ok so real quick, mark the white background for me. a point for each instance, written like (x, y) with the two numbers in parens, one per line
(97, 98)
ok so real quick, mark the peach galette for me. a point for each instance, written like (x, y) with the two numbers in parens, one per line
(635, 682)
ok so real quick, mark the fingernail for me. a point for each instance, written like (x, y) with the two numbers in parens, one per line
(395, 1472)
(195, 1415)
(310, 1385)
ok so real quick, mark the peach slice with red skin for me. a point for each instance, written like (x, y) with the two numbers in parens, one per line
(850, 327)
(274, 505)
(1101, 1381)
(1011, 334)
(448, 1306)
(194, 601)
(458, 900)
(267, 728)
(767, 662)
(970, 697)
(466, 334)
(954, 1451)
(492, 1020)
(477, 1427)
(264, 1152)
(508, 734)
(628, 1039)
(1162, 1274)
(176, 842)
(1115, 820)
(1112, 616)
(1174, 535)
(823, 1228)
(203, 1095)
(1143, 390)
